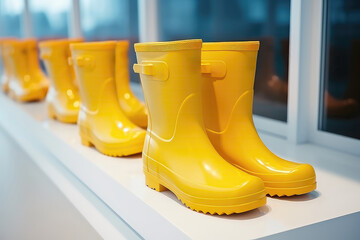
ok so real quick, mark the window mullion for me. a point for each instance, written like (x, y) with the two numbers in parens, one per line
(74, 21)
(27, 20)
(304, 69)
(148, 20)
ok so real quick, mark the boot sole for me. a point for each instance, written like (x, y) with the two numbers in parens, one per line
(110, 151)
(160, 185)
(61, 118)
(5, 88)
(286, 188)
(31, 97)
(280, 192)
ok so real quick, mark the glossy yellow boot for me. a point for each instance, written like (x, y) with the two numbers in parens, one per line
(6, 74)
(101, 120)
(177, 153)
(63, 100)
(133, 108)
(28, 82)
(34, 64)
(228, 71)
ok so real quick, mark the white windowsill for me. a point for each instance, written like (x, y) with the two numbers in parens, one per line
(119, 183)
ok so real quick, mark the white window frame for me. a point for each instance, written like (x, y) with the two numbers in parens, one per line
(305, 70)
(74, 21)
(27, 23)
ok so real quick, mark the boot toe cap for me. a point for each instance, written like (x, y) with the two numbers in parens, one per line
(302, 172)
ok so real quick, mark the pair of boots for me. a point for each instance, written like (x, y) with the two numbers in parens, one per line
(23, 79)
(110, 116)
(63, 97)
(201, 142)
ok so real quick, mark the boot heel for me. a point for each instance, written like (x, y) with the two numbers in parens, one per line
(85, 142)
(12, 95)
(51, 112)
(153, 183)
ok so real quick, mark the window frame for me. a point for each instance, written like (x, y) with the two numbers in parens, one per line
(307, 76)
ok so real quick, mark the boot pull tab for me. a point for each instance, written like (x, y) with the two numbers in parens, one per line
(45, 56)
(70, 61)
(157, 70)
(147, 69)
(213, 68)
(85, 62)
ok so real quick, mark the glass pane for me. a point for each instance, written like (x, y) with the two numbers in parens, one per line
(11, 17)
(111, 20)
(340, 110)
(50, 18)
(240, 20)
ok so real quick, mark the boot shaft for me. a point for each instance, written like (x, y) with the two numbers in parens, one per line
(122, 67)
(133, 108)
(56, 54)
(94, 69)
(33, 57)
(170, 75)
(17, 58)
(5, 55)
(228, 70)
(23, 60)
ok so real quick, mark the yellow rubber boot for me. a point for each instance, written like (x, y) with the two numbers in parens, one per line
(34, 64)
(133, 108)
(228, 71)
(63, 98)
(101, 120)
(177, 153)
(27, 83)
(6, 75)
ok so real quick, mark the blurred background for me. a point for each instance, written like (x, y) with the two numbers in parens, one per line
(214, 20)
